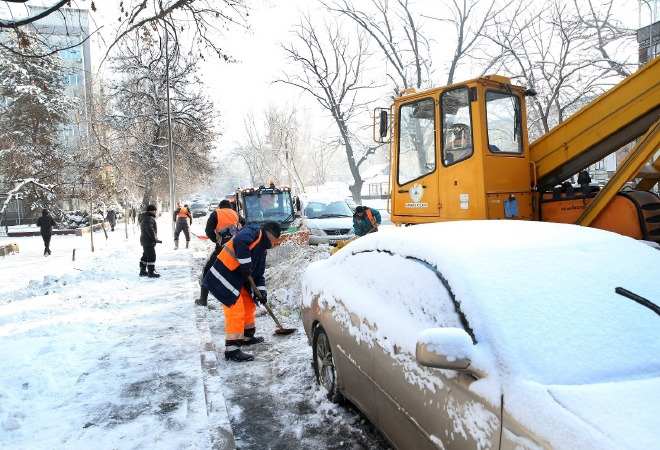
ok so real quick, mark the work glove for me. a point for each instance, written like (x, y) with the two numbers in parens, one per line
(263, 299)
(158, 241)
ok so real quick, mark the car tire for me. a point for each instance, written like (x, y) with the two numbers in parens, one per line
(324, 365)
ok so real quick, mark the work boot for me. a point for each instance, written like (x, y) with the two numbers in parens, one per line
(176, 245)
(143, 269)
(187, 243)
(238, 356)
(152, 272)
(250, 338)
(203, 297)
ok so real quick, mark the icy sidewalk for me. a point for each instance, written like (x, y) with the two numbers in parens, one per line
(94, 356)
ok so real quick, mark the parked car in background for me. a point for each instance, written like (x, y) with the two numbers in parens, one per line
(328, 219)
(198, 209)
(492, 334)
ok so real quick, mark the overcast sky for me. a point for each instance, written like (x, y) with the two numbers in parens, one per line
(247, 86)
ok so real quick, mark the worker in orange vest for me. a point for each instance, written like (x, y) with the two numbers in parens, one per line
(221, 226)
(181, 217)
(365, 220)
(242, 257)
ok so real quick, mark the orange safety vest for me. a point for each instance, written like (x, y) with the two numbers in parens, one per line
(183, 212)
(371, 218)
(228, 256)
(225, 218)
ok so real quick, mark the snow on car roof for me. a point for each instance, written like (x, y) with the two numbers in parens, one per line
(557, 278)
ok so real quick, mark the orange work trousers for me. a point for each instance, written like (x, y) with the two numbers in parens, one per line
(240, 316)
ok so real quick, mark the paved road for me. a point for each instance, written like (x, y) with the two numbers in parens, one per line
(274, 401)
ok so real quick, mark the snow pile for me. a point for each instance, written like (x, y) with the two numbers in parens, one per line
(539, 297)
(284, 273)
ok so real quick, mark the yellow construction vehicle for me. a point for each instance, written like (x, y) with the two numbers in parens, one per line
(462, 152)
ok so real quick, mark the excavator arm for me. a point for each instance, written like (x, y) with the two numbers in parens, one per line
(614, 119)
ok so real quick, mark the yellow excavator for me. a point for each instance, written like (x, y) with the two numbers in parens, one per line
(462, 152)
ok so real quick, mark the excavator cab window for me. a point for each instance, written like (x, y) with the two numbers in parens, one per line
(503, 116)
(456, 126)
(416, 140)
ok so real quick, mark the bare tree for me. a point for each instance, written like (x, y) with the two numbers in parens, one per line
(470, 20)
(606, 30)
(331, 73)
(552, 51)
(139, 117)
(397, 33)
(202, 20)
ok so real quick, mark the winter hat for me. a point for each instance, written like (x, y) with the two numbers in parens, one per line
(151, 208)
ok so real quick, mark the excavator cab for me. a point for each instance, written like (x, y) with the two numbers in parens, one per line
(460, 152)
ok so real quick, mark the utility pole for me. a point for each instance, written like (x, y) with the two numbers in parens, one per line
(172, 181)
(91, 218)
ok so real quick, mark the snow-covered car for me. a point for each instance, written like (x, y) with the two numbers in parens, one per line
(328, 219)
(492, 334)
(198, 209)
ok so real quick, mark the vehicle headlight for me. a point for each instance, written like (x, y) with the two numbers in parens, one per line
(317, 231)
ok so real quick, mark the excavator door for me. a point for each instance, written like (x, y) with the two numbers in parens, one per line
(414, 191)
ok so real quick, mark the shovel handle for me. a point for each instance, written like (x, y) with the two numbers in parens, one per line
(256, 291)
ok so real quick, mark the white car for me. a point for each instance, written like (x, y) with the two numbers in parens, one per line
(328, 219)
(492, 335)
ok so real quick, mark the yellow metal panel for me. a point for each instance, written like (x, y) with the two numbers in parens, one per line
(635, 99)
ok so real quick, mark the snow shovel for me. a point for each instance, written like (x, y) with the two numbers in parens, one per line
(280, 329)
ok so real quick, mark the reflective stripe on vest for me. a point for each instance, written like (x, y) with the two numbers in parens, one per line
(228, 256)
(225, 218)
(183, 212)
(371, 218)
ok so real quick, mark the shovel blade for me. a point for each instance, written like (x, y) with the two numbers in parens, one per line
(284, 331)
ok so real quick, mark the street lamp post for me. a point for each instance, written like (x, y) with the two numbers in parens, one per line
(172, 180)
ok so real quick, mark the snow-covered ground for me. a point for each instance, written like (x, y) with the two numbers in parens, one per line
(93, 356)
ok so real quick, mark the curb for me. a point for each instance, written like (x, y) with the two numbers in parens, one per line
(220, 431)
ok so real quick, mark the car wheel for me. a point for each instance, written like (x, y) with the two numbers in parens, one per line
(324, 365)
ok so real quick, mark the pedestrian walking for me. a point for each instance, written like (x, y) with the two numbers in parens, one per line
(46, 224)
(243, 256)
(111, 217)
(365, 220)
(221, 226)
(181, 216)
(132, 214)
(148, 240)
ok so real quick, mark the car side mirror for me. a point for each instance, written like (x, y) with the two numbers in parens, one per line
(445, 348)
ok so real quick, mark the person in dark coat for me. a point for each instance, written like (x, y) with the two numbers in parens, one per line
(221, 226)
(46, 224)
(148, 240)
(242, 257)
(111, 217)
(132, 214)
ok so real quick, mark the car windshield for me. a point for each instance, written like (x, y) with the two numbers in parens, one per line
(265, 207)
(320, 210)
(197, 206)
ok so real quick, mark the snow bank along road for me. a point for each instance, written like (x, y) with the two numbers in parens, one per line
(93, 356)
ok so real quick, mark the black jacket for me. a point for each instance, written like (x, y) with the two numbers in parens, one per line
(46, 223)
(148, 229)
